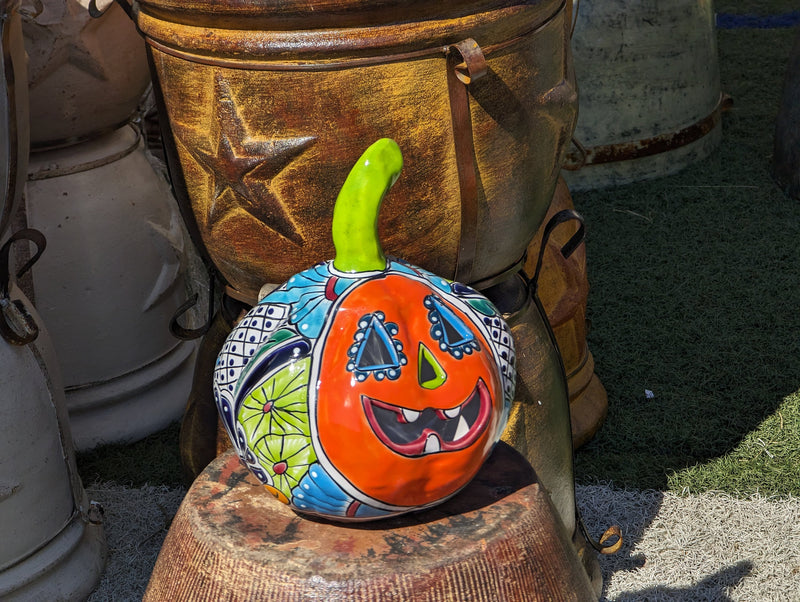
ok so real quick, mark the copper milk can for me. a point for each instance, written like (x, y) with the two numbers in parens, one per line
(267, 105)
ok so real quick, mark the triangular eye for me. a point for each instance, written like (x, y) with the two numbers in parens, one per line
(454, 332)
(377, 351)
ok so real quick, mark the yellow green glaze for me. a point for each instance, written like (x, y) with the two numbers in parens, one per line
(355, 216)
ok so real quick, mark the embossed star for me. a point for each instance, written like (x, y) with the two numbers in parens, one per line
(73, 38)
(242, 167)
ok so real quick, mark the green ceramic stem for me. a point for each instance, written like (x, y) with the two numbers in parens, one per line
(355, 215)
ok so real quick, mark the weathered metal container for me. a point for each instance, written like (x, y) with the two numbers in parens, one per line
(786, 157)
(52, 545)
(539, 424)
(87, 74)
(110, 284)
(650, 97)
(268, 104)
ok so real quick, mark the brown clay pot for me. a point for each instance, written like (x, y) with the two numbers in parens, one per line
(267, 105)
(563, 288)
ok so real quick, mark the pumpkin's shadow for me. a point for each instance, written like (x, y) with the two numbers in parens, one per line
(504, 472)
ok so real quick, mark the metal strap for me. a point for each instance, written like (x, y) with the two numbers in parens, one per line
(625, 151)
(465, 63)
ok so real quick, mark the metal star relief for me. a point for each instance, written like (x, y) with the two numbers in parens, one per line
(71, 39)
(242, 167)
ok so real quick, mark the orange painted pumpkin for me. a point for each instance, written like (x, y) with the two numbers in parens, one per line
(366, 387)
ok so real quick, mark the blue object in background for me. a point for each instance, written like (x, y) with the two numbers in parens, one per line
(730, 21)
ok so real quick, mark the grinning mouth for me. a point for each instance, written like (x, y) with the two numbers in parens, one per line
(418, 433)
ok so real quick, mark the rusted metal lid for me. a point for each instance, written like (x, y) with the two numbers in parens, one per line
(333, 28)
(313, 14)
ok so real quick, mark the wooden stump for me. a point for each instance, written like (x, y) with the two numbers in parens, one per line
(498, 539)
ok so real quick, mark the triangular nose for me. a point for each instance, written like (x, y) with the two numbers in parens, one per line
(430, 372)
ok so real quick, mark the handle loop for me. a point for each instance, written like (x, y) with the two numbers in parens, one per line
(187, 334)
(465, 64)
(563, 216)
(17, 326)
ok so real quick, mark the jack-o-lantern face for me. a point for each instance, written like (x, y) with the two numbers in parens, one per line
(365, 387)
(409, 401)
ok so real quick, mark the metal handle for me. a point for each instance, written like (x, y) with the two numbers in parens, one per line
(187, 334)
(568, 249)
(17, 326)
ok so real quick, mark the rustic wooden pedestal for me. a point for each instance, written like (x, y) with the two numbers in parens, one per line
(499, 539)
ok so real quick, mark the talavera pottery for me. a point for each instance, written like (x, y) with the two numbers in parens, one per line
(366, 387)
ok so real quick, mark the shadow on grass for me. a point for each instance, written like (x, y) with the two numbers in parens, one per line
(635, 512)
(694, 283)
(155, 460)
(711, 588)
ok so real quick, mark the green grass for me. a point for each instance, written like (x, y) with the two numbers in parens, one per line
(154, 460)
(766, 461)
(695, 280)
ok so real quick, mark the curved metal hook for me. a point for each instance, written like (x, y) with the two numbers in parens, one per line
(568, 249)
(188, 334)
(601, 545)
(17, 326)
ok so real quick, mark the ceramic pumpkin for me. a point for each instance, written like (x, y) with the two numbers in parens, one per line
(364, 386)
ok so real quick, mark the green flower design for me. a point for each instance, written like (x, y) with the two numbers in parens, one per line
(286, 459)
(279, 406)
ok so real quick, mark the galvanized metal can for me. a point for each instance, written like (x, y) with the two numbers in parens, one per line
(115, 276)
(52, 544)
(650, 97)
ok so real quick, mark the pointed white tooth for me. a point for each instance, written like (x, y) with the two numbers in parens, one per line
(432, 444)
(410, 415)
(463, 429)
(452, 413)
